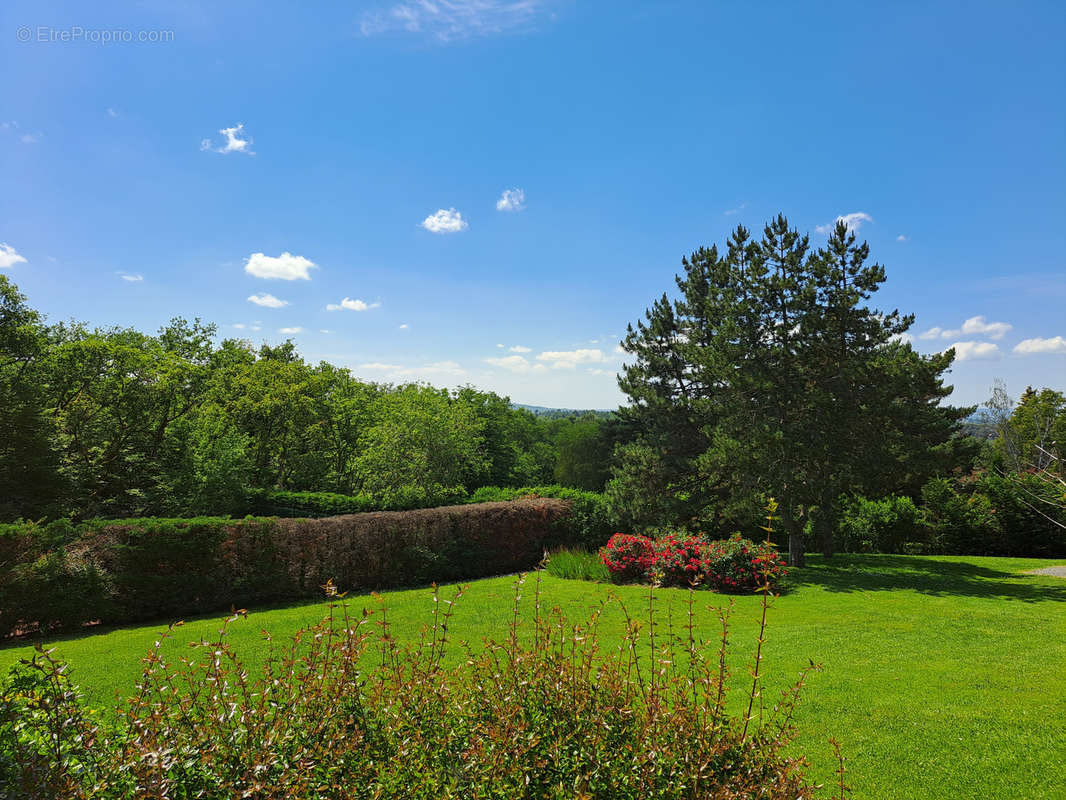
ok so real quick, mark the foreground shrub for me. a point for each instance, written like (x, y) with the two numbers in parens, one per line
(629, 557)
(739, 565)
(123, 571)
(342, 711)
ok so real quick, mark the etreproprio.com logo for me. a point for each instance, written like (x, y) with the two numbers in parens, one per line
(76, 33)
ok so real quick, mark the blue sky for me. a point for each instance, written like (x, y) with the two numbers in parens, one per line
(167, 158)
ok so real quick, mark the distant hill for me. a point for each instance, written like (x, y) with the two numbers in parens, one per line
(557, 413)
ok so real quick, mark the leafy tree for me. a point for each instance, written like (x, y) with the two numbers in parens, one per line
(770, 374)
(30, 485)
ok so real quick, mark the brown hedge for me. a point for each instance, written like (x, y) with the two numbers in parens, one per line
(143, 569)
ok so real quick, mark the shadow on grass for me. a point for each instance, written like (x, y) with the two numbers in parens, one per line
(929, 575)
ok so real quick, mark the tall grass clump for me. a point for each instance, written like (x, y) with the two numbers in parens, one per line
(577, 565)
(343, 710)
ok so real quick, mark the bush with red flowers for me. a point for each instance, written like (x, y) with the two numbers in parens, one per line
(628, 557)
(734, 565)
(740, 565)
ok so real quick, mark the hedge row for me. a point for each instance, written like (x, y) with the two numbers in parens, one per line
(56, 576)
(587, 523)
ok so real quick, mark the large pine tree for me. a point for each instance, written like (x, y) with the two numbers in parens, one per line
(770, 375)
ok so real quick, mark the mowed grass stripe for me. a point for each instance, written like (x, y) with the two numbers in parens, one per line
(943, 677)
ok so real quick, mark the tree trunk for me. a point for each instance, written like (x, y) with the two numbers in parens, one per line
(795, 549)
(826, 522)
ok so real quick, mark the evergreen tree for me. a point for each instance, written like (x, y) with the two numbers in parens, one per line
(770, 375)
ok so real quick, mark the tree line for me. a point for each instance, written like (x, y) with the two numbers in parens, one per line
(117, 423)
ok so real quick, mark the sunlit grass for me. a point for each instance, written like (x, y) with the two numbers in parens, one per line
(943, 677)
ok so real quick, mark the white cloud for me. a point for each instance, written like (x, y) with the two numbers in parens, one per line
(932, 333)
(347, 304)
(511, 200)
(296, 329)
(445, 220)
(978, 325)
(403, 327)
(902, 238)
(599, 371)
(976, 351)
(619, 349)
(1028, 347)
(736, 210)
(853, 222)
(519, 349)
(9, 256)
(453, 20)
(500, 346)
(323, 330)
(236, 142)
(241, 327)
(112, 113)
(516, 364)
(131, 277)
(569, 359)
(267, 301)
(285, 267)
(436, 369)
(905, 338)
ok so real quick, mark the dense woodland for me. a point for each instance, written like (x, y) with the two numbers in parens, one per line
(768, 376)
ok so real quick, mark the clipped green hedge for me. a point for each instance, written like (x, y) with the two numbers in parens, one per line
(54, 577)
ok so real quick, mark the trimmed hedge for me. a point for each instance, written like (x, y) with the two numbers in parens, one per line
(588, 524)
(131, 570)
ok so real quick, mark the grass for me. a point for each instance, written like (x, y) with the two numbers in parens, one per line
(577, 565)
(943, 676)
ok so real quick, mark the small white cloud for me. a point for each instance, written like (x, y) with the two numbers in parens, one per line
(619, 349)
(239, 326)
(403, 327)
(131, 277)
(9, 256)
(236, 142)
(569, 359)
(853, 222)
(736, 210)
(112, 113)
(976, 351)
(445, 220)
(520, 349)
(1028, 347)
(452, 20)
(516, 364)
(978, 325)
(285, 267)
(267, 301)
(500, 346)
(902, 238)
(511, 200)
(296, 329)
(442, 368)
(599, 371)
(932, 333)
(323, 330)
(904, 338)
(347, 304)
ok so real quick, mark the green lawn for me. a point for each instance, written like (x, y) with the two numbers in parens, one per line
(944, 677)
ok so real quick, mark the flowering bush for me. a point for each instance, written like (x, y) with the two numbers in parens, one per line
(628, 557)
(729, 565)
(680, 561)
(740, 565)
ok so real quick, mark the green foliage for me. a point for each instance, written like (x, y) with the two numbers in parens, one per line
(327, 504)
(544, 714)
(577, 565)
(890, 524)
(769, 374)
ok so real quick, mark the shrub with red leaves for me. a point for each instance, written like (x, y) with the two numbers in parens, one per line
(628, 557)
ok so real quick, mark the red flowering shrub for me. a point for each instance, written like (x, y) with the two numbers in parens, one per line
(740, 565)
(733, 565)
(680, 561)
(628, 557)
